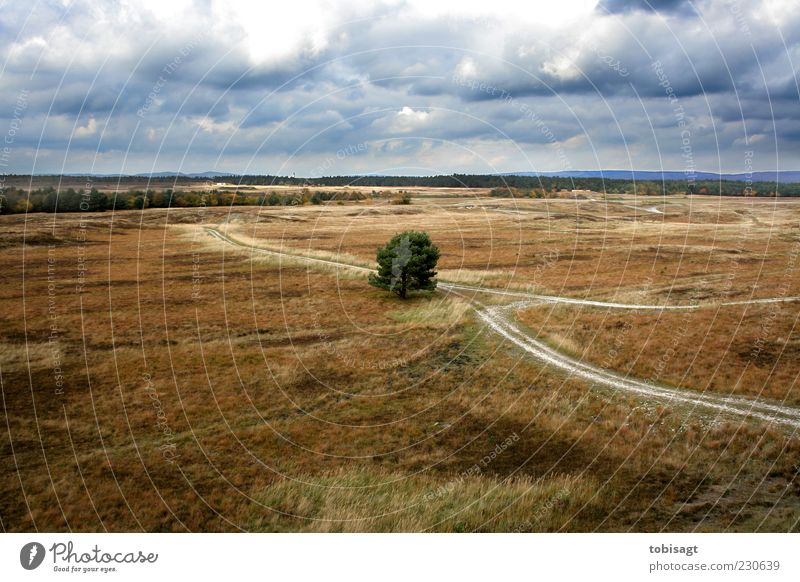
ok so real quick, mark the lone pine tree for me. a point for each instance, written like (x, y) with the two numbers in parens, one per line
(407, 263)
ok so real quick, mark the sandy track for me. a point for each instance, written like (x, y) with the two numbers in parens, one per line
(230, 240)
(498, 319)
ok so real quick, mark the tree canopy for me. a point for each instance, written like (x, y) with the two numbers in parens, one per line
(407, 263)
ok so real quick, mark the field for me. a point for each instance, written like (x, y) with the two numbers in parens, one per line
(158, 378)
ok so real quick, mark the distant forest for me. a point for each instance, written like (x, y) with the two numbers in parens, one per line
(18, 199)
(14, 201)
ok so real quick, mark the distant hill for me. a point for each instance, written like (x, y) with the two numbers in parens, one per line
(202, 175)
(785, 177)
(182, 175)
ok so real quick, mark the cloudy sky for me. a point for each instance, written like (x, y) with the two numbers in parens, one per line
(399, 87)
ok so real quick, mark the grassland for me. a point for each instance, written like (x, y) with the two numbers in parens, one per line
(157, 379)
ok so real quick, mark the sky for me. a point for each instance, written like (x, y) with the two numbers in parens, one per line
(315, 88)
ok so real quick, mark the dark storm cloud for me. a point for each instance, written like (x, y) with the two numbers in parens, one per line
(666, 6)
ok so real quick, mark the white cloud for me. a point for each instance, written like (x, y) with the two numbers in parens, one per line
(407, 120)
(208, 125)
(467, 69)
(510, 11)
(86, 130)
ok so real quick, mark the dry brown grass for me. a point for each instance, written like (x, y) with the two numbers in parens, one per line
(433, 312)
(751, 350)
(347, 501)
(728, 248)
(204, 390)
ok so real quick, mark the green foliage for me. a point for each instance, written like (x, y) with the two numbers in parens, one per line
(97, 201)
(406, 264)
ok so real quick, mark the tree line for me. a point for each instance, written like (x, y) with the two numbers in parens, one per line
(15, 201)
(542, 183)
(18, 200)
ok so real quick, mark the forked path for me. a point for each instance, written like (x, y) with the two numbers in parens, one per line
(498, 319)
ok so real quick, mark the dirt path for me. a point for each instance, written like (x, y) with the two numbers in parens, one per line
(498, 319)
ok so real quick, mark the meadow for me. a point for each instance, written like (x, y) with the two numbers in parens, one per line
(157, 378)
